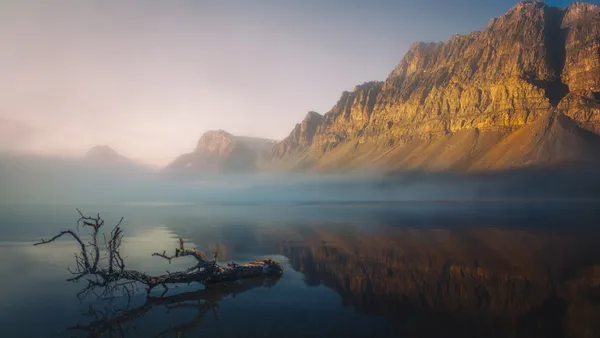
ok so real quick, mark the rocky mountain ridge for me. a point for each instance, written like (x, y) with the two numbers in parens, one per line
(466, 96)
(218, 151)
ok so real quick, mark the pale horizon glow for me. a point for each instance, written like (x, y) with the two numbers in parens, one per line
(149, 77)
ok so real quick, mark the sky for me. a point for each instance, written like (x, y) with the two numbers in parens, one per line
(149, 77)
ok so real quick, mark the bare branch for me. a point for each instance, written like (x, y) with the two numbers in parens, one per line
(182, 252)
(74, 235)
(115, 278)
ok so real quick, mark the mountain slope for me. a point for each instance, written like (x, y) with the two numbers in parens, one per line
(106, 154)
(221, 152)
(106, 157)
(554, 139)
(456, 104)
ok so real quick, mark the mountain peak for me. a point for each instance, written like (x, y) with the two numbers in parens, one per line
(219, 151)
(447, 104)
(579, 11)
(219, 132)
(215, 141)
(102, 151)
(312, 115)
(525, 3)
(367, 85)
(107, 155)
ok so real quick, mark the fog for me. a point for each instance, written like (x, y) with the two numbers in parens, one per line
(52, 180)
(149, 77)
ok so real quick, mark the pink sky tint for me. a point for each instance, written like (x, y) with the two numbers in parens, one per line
(149, 77)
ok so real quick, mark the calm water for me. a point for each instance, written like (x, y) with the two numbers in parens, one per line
(379, 270)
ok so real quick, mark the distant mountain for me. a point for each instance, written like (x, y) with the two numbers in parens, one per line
(221, 152)
(31, 178)
(525, 91)
(104, 153)
(105, 156)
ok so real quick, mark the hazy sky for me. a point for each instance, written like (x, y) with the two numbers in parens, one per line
(149, 77)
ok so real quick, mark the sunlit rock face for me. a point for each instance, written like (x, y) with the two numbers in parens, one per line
(301, 137)
(221, 152)
(467, 93)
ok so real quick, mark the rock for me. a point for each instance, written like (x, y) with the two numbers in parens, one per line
(221, 152)
(301, 137)
(486, 85)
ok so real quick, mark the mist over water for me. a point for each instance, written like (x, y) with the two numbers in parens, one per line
(99, 96)
(52, 180)
(405, 253)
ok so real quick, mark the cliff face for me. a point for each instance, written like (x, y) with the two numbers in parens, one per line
(468, 93)
(221, 152)
(581, 72)
(301, 137)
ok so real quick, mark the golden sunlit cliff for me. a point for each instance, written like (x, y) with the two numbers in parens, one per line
(523, 91)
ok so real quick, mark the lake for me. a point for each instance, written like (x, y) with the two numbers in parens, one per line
(489, 269)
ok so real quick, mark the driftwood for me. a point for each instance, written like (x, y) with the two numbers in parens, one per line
(113, 277)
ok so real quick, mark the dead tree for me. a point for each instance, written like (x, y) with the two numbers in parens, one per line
(109, 275)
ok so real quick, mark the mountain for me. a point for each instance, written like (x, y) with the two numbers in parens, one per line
(99, 177)
(218, 152)
(106, 154)
(106, 158)
(523, 91)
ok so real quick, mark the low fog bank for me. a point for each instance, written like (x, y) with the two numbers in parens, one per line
(45, 180)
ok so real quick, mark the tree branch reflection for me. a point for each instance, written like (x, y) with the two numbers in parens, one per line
(113, 322)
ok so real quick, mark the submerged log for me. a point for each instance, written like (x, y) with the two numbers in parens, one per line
(116, 278)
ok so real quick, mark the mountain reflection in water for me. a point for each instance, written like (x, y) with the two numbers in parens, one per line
(420, 271)
(533, 271)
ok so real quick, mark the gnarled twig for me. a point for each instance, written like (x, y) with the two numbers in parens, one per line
(115, 277)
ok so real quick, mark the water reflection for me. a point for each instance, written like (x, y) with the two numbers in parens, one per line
(120, 322)
(475, 282)
(462, 273)
(383, 271)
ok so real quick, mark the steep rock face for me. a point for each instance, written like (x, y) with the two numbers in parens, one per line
(484, 80)
(581, 30)
(524, 64)
(221, 152)
(301, 137)
(349, 116)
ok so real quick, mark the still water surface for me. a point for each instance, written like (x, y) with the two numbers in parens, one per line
(377, 270)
